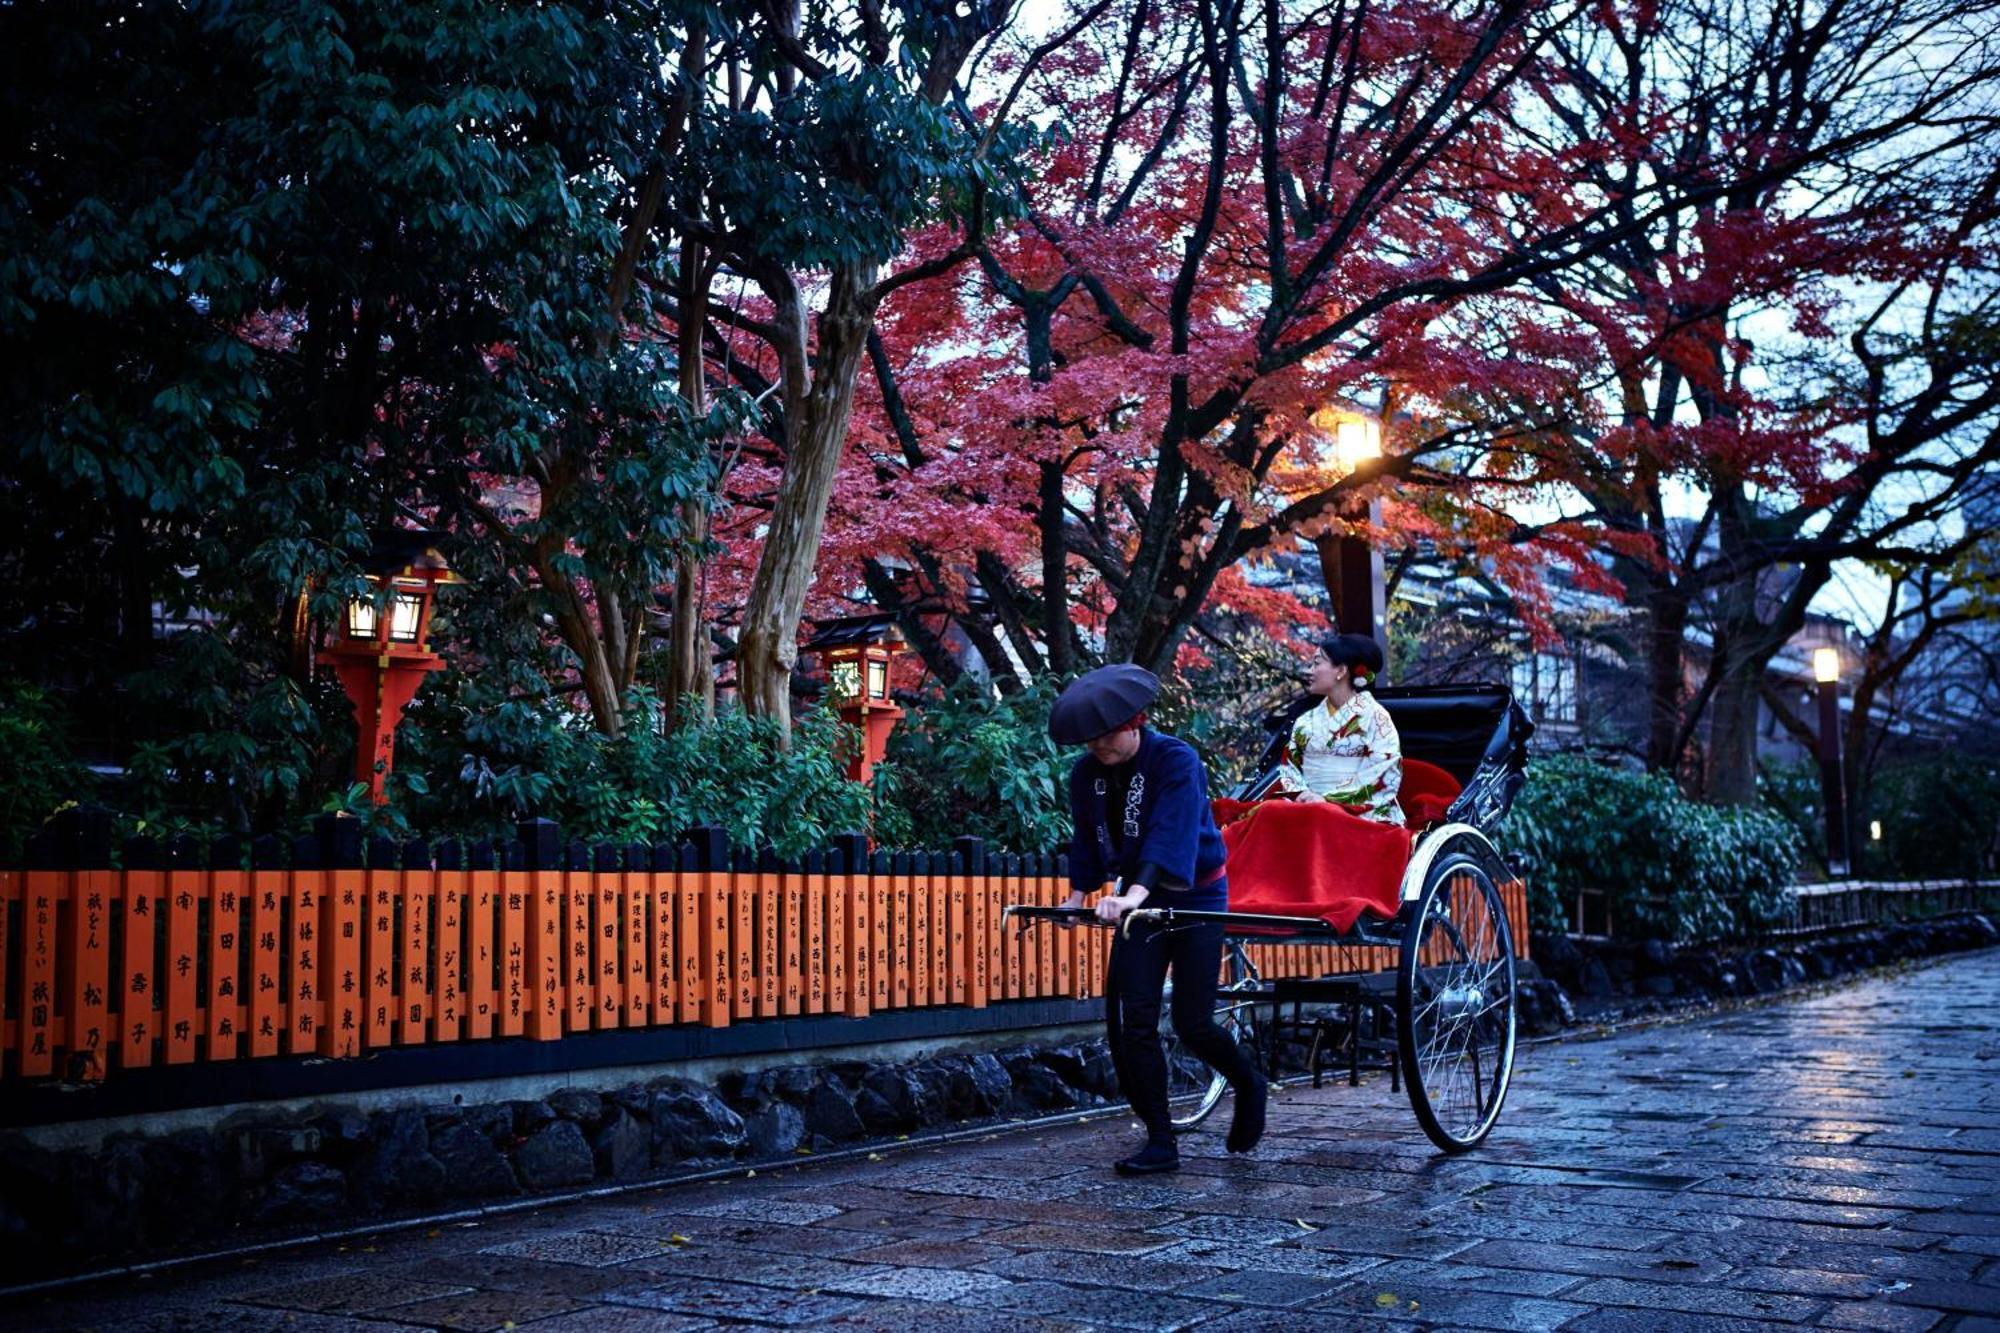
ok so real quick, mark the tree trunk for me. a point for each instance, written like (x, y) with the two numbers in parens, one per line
(1732, 747)
(768, 648)
(1666, 610)
(690, 664)
(1056, 626)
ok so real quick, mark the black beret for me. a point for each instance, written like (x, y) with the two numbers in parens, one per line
(1100, 701)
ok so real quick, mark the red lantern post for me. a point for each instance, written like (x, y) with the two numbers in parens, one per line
(857, 653)
(381, 651)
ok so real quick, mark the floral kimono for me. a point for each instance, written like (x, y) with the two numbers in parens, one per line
(1350, 755)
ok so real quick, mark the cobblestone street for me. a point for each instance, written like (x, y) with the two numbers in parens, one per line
(1832, 1162)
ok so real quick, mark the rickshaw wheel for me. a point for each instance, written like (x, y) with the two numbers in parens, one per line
(1455, 1004)
(1196, 1089)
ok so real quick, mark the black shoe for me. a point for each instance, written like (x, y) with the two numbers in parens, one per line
(1151, 1159)
(1248, 1124)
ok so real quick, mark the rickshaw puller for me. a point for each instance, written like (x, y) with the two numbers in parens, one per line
(1139, 805)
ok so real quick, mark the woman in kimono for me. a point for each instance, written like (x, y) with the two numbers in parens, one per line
(1139, 805)
(1345, 750)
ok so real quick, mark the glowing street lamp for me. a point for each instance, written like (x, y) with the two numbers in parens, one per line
(1349, 565)
(382, 650)
(856, 653)
(1833, 791)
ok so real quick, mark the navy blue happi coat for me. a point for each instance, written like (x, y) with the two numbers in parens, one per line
(1148, 822)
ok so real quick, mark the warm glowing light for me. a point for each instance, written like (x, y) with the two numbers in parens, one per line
(878, 678)
(1826, 665)
(405, 615)
(361, 618)
(1356, 440)
(1875, 830)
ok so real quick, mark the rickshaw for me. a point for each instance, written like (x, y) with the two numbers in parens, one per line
(1444, 918)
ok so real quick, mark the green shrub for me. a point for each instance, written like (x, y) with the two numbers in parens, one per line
(965, 763)
(39, 777)
(1940, 818)
(1672, 868)
(522, 759)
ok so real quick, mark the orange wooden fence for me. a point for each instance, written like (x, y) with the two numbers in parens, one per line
(108, 969)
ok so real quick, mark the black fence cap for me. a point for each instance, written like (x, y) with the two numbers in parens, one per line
(450, 854)
(383, 854)
(711, 843)
(306, 852)
(689, 856)
(541, 843)
(666, 856)
(974, 852)
(768, 861)
(882, 862)
(417, 854)
(904, 864)
(268, 853)
(339, 841)
(479, 854)
(638, 856)
(514, 856)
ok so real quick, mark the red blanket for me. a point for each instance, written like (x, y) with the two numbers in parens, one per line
(1288, 859)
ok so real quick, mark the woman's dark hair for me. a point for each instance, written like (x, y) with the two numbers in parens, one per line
(1356, 651)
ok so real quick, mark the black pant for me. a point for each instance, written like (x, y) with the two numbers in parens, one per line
(1138, 974)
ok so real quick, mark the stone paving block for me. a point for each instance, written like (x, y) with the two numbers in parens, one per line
(1302, 1321)
(507, 1273)
(728, 1263)
(220, 1319)
(357, 1294)
(1692, 1299)
(1882, 1315)
(768, 1210)
(778, 1237)
(588, 1249)
(484, 1311)
(1280, 1258)
(1458, 1309)
(960, 1184)
(914, 1226)
(622, 1319)
(739, 1301)
(1102, 1306)
(1953, 1224)
(1016, 1210)
(1669, 1321)
(1959, 1297)
(1805, 1282)
(1389, 1244)
(934, 1254)
(1098, 1240)
(1585, 1261)
(1260, 1286)
(931, 1317)
(1396, 1273)
(918, 1284)
(1095, 1270)
(1244, 1230)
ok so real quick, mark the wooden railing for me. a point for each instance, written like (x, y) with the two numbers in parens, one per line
(185, 953)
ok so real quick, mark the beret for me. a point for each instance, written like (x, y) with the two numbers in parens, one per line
(1100, 701)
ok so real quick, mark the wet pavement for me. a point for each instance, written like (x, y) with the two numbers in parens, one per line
(1832, 1161)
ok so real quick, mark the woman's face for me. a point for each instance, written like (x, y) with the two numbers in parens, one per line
(1325, 675)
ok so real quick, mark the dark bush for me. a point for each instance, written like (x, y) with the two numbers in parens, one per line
(1672, 868)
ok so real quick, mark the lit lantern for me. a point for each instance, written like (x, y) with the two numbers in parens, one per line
(383, 650)
(1350, 565)
(855, 653)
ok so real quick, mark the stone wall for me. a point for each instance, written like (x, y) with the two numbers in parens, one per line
(1611, 979)
(259, 1175)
